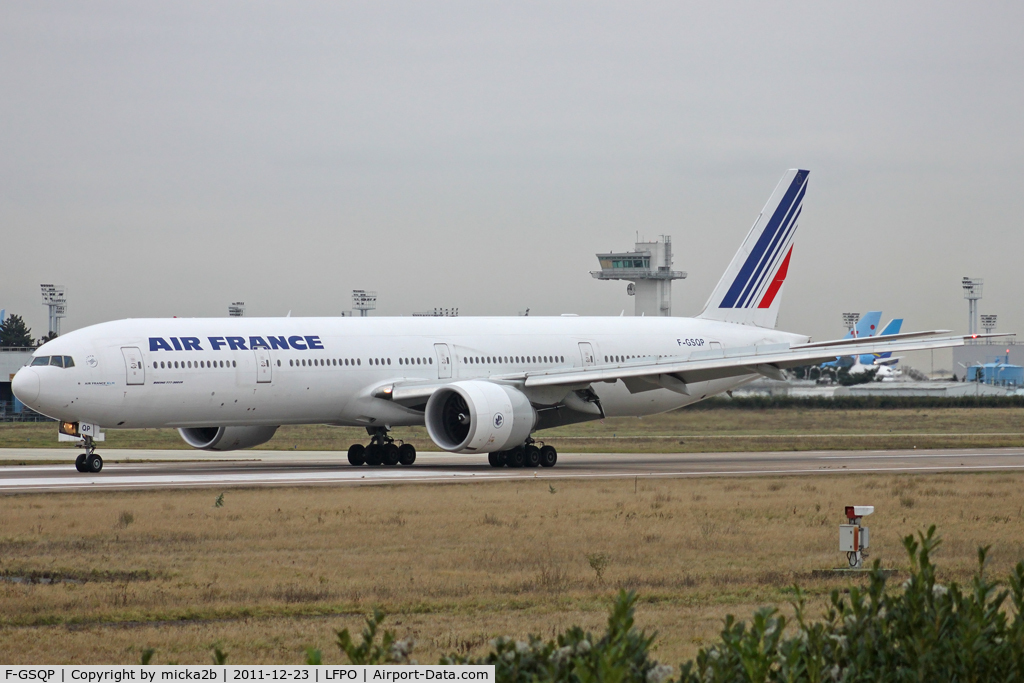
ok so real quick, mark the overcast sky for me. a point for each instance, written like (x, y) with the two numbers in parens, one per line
(169, 158)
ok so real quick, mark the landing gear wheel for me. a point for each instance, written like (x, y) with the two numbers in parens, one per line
(548, 456)
(374, 455)
(80, 463)
(532, 456)
(93, 463)
(390, 454)
(516, 457)
(356, 454)
(496, 459)
(406, 454)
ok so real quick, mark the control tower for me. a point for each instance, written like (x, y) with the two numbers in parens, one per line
(649, 271)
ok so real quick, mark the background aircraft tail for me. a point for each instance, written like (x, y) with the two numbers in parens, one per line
(867, 326)
(750, 291)
(892, 327)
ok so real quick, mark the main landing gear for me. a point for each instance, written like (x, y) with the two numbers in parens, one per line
(527, 455)
(382, 450)
(89, 461)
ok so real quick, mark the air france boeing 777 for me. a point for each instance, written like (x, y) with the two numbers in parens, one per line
(480, 385)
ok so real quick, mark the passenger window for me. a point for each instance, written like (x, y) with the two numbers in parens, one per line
(278, 363)
(41, 360)
(430, 361)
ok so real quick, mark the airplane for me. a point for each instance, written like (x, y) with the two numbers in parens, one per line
(480, 385)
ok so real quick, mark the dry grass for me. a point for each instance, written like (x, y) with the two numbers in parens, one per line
(276, 570)
(682, 431)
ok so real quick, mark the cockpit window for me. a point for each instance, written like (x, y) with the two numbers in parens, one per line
(58, 361)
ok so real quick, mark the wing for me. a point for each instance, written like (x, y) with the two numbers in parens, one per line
(677, 373)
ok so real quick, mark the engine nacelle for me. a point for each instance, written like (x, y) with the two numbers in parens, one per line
(479, 417)
(226, 438)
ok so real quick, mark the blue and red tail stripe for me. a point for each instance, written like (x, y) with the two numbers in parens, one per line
(769, 254)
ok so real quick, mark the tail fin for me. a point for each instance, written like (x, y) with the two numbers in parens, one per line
(868, 325)
(893, 326)
(750, 290)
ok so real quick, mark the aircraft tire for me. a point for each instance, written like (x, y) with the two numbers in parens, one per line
(406, 454)
(356, 454)
(374, 456)
(80, 463)
(516, 457)
(495, 459)
(93, 464)
(548, 456)
(532, 458)
(390, 454)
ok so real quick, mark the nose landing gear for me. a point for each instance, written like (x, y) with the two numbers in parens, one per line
(382, 450)
(90, 461)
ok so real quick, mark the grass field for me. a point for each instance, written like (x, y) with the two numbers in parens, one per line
(683, 431)
(273, 571)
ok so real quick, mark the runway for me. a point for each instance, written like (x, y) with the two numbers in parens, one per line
(192, 469)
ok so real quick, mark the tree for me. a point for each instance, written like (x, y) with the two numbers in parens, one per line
(14, 332)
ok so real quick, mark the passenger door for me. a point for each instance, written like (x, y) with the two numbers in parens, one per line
(133, 365)
(264, 371)
(587, 353)
(444, 361)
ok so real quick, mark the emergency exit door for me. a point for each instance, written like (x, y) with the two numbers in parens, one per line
(444, 361)
(264, 371)
(133, 365)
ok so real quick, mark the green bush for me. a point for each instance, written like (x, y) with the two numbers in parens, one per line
(925, 632)
(621, 655)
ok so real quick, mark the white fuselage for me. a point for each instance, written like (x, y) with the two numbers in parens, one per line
(216, 372)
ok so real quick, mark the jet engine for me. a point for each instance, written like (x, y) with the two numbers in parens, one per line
(226, 438)
(479, 417)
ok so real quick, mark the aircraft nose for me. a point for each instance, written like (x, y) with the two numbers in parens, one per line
(25, 385)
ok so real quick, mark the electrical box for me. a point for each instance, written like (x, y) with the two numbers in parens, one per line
(852, 538)
(848, 540)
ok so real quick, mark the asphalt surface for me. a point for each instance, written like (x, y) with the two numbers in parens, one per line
(192, 469)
